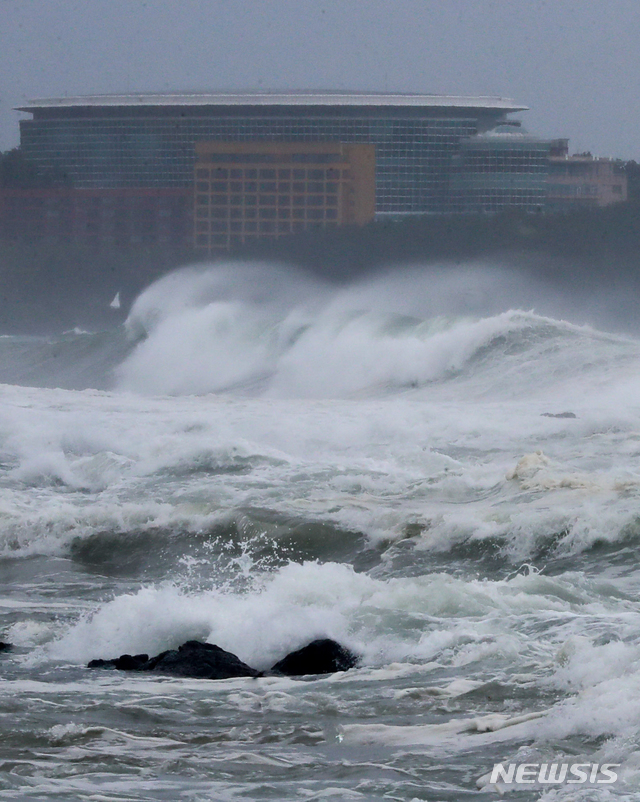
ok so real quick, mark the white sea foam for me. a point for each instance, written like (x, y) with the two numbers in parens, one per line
(209, 330)
(438, 734)
(302, 601)
(378, 469)
(457, 471)
(467, 633)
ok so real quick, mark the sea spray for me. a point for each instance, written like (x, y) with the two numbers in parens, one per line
(388, 463)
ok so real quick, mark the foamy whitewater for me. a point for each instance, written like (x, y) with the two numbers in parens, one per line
(260, 459)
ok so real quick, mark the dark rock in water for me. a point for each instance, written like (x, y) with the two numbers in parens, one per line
(206, 661)
(203, 660)
(5, 647)
(323, 656)
(558, 415)
(101, 663)
(125, 662)
(192, 659)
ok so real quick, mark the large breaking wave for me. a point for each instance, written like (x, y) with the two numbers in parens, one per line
(231, 330)
(285, 452)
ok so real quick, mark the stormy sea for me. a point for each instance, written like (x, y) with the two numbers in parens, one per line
(439, 471)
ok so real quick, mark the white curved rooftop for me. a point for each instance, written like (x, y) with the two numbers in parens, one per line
(298, 98)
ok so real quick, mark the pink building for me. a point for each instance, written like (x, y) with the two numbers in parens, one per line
(122, 217)
(583, 180)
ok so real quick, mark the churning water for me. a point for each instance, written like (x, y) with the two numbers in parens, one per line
(259, 461)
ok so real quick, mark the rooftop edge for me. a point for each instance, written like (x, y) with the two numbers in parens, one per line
(297, 98)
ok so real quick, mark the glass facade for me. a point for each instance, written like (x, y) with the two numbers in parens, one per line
(154, 146)
(504, 168)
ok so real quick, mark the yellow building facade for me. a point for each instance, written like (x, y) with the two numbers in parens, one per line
(249, 190)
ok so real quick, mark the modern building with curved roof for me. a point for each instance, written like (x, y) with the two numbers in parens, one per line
(148, 140)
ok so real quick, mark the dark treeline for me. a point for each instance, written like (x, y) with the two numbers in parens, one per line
(50, 286)
(586, 241)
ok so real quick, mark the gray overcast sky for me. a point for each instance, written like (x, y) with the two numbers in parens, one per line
(575, 63)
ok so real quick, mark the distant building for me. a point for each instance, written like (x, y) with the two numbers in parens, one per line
(245, 191)
(500, 169)
(123, 169)
(583, 180)
(149, 140)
